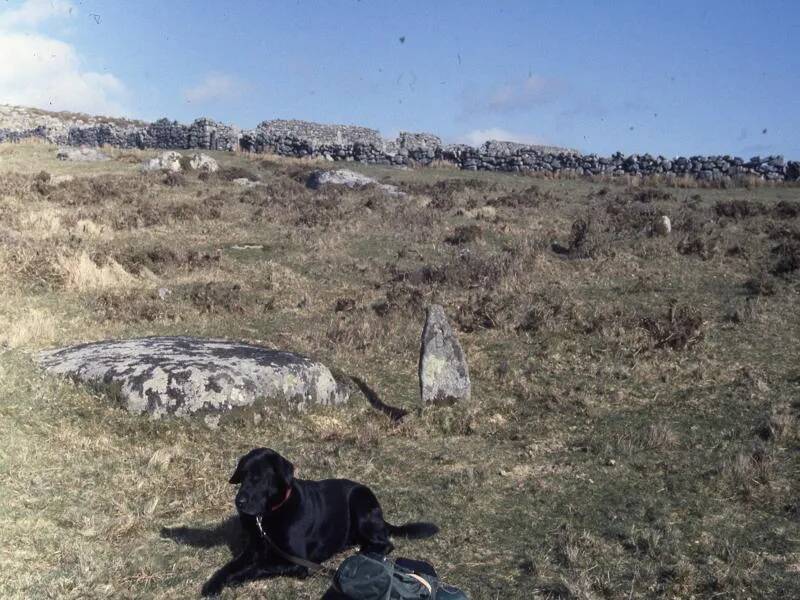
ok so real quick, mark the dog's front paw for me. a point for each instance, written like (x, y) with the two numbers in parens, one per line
(212, 587)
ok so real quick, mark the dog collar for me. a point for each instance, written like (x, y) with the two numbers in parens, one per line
(285, 499)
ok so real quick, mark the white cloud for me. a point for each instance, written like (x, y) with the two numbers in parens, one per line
(512, 97)
(33, 12)
(213, 87)
(49, 73)
(517, 96)
(476, 137)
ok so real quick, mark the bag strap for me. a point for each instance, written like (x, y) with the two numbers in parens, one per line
(302, 562)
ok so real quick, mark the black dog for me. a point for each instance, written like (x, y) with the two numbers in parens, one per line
(311, 520)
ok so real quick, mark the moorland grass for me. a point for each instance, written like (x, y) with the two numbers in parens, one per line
(634, 425)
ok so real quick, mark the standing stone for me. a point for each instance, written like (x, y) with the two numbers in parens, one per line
(443, 371)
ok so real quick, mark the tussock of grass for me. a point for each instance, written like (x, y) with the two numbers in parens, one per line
(81, 273)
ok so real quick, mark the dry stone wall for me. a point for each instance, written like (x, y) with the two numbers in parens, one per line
(350, 143)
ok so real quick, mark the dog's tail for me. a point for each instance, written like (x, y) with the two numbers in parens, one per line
(413, 531)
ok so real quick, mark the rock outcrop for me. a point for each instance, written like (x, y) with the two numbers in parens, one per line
(443, 370)
(187, 376)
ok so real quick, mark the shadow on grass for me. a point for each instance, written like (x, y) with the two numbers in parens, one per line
(227, 533)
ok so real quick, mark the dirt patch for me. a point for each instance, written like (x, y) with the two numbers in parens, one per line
(130, 306)
(739, 209)
(174, 179)
(236, 172)
(681, 327)
(160, 258)
(787, 257)
(464, 234)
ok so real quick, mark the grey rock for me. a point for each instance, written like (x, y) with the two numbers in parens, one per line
(443, 370)
(662, 225)
(204, 163)
(167, 161)
(81, 154)
(244, 182)
(349, 179)
(57, 179)
(184, 376)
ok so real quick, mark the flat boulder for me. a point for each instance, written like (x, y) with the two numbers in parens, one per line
(244, 182)
(443, 370)
(81, 154)
(186, 376)
(349, 179)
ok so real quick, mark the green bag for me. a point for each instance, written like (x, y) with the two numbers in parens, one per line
(375, 577)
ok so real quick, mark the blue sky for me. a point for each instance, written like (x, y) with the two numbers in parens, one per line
(663, 77)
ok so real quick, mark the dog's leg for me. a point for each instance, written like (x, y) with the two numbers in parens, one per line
(371, 532)
(248, 568)
(223, 577)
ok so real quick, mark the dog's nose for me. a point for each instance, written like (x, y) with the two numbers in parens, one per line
(241, 500)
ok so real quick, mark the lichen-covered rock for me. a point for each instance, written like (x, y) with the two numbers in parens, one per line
(204, 163)
(349, 179)
(168, 161)
(443, 370)
(184, 376)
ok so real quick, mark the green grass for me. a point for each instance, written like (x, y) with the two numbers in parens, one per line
(634, 425)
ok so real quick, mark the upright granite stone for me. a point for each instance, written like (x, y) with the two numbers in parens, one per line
(443, 370)
(184, 376)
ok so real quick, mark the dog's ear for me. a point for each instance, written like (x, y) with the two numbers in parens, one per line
(286, 469)
(238, 474)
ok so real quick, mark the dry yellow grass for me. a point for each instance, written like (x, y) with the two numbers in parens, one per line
(81, 273)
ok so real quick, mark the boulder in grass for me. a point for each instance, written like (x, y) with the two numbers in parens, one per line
(203, 163)
(167, 161)
(662, 225)
(349, 179)
(81, 154)
(244, 182)
(443, 370)
(186, 376)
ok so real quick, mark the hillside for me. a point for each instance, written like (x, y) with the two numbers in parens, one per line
(633, 429)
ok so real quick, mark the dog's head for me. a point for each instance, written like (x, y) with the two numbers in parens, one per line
(266, 480)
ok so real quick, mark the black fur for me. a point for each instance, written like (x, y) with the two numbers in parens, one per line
(318, 520)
